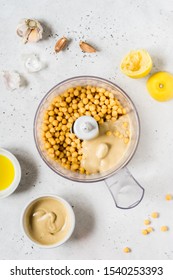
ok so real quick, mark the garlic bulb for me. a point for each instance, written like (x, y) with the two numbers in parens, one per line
(12, 80)
(33, 63)
(30, 30)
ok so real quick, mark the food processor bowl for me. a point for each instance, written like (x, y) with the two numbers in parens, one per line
(134, 128)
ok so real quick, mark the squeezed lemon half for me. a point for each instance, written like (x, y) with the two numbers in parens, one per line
(136, 64)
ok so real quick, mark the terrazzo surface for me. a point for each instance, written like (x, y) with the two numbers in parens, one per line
(114, 28)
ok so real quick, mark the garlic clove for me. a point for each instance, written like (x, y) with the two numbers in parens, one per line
(26, 36)
(12, 80)
(34, 36)
(33, 63)
(85, 47)
(22, 28)
(60, 44)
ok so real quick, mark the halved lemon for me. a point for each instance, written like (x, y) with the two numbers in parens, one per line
(136, 64)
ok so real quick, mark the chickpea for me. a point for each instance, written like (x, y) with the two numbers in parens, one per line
(51, 151)
(71, 120)
(72, 149)
(64, 110)
(70, 90)
(85, 101)
(69, 125)
(97, 118)
(60, 114)
(76, 92)
(68, 99)
(119, 111)
(52, 130)
(73, 144)
(48, 135)
(83, 90)
(57, 153)
(75, 166)
(52, 141)
(68, 141)
(74, 106)
(51, 119)
(45, 127)
(89, 96)
(82, 110)
(103, 98)
(92, 107)
(97, 96)
(46, 116)
(51, 113)
(93, 113)
(70, 110)
(61, 138)
(104, 111)
(93, 90)
(96, 102)
(64, 121)
(114, 113)
(51, 107)
(47, 145)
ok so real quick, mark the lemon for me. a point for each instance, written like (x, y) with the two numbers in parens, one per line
(136, 64)
(160, 86)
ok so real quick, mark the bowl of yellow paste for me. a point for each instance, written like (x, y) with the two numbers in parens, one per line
(10, 173)
(48, 221)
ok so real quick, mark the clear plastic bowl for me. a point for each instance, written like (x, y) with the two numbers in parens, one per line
(96, 82)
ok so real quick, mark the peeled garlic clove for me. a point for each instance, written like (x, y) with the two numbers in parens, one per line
(102, 151)
(30, 29)
(12, 80)
(33, 63)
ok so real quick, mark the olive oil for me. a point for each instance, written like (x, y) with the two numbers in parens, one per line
(7, 172)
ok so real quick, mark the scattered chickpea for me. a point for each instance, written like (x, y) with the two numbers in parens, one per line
(147, 222)
(108, 133)
(126, 250)
(126, 140)
(144, 232)
(125, 124)
(155, 215)
(168, 197)
(164, 228)
(150, 229)
(116, 133)
(120, 136)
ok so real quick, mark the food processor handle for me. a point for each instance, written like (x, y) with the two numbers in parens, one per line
(125, 190)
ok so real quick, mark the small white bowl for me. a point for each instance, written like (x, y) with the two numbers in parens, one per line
(17, 176)
(69, 210)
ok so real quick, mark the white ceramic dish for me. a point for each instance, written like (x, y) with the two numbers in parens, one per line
(17, 177)
(70, 212)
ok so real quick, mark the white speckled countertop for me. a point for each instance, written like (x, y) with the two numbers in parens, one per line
(114, 27)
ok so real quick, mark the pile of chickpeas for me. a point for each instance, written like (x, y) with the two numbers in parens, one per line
(60, 143)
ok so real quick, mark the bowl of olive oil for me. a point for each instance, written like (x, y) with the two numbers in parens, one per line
(10, 173)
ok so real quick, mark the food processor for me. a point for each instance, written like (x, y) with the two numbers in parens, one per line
(125, 190)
